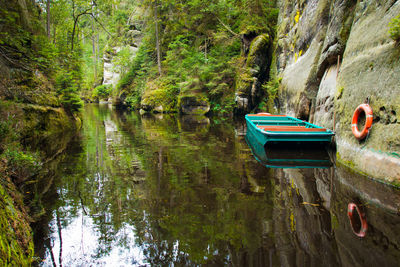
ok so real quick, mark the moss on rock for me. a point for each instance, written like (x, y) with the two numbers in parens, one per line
(253, 73)
(160, 96)
(16, 240)
(258, 49)
(196, 104)
(244, 81)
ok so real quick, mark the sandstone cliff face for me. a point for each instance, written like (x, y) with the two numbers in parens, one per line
(111, 72)
(332, 56)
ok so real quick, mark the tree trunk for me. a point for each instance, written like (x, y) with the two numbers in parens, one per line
(54, 34)
(157, 39)
(97, 47)
(73, 33)
(48, 18)
(94, 51)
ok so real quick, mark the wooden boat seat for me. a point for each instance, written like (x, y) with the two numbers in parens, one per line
(278, 128)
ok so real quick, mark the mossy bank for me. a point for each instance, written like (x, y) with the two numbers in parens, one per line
(31, 136)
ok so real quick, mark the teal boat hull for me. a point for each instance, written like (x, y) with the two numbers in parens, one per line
(288, 154)
(263, 137)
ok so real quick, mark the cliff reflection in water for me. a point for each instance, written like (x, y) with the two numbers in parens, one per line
(159, 190)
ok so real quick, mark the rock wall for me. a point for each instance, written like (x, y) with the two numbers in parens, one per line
(311, 226)
(132, 39)
(332, 56)
(253, 73)
(111, 72)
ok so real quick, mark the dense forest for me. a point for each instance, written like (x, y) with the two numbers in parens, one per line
(162, 50)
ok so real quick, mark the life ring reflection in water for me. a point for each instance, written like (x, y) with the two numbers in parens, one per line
(362, 109)
(357, 219)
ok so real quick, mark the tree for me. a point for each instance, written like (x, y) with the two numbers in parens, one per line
(78, 10)
(48, 18)
(68, 92)
(157, 38)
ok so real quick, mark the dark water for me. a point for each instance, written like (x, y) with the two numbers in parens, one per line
(169, 191)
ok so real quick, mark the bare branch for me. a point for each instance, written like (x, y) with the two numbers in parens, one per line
(100, 24)
(227, 27)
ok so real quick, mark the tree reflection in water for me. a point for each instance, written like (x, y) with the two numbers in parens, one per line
(137, 190)
(163, 190)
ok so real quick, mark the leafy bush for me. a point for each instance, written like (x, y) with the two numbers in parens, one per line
(102, 91)
(133, 101)
(271, 88)
(4, 129)
(68, 92)
(22, 165)
(122, 60)
(135, 69)
(394, 28)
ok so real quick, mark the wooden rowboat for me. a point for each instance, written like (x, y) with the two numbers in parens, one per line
(267, 128)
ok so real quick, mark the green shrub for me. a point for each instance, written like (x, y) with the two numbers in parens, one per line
(271, 88)
(68, 92)
(137, 64)
(4, 129)
(102, 91)
(133, 101)
(21, 165)
(394, 28)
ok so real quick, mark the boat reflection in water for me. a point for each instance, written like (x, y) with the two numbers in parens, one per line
(289, 154)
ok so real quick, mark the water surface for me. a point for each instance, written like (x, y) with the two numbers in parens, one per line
(171, 191)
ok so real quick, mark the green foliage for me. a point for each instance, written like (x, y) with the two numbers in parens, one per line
(225, 108)
(271, 92)
(195, 71)
(122, 60)
(394, 28)
(68, 92)
(138, 66)
(161, 93)
(34, 59)
(259, 16)
(4, 130)
(10, 126)
(133, 101)
(102, 91)
(271, 88)
(16, 244)
(22, 165)
(200, 47)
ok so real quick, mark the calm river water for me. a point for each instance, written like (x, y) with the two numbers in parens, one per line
(182, 191)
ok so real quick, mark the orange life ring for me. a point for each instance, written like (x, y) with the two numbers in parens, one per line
(351, 208)
(368, 121)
